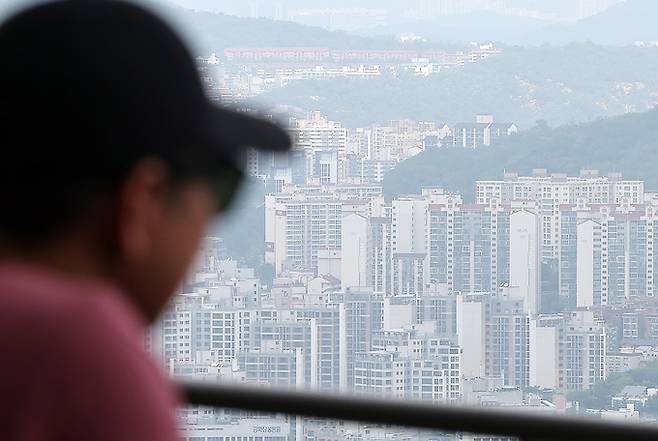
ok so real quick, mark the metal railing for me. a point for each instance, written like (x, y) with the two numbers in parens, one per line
(526, 425)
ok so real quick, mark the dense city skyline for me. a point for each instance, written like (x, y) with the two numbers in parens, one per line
(442, 213)
(521, 288)
(530, 292)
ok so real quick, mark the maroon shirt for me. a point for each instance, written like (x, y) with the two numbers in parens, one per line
(72, 363)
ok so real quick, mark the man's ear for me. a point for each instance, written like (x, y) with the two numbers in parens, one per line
(140, 203)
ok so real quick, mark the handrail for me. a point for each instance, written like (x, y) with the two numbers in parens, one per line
(526, 425)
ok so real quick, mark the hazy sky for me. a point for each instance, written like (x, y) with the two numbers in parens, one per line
(560, 8)
(571, 9)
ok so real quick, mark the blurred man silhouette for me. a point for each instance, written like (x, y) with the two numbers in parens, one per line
(113, 161)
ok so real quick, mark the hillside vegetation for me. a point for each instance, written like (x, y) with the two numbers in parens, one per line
(628, 144)
(599, 396)
(561, 85)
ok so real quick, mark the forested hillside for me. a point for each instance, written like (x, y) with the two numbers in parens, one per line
(628, 144)
(560, 85)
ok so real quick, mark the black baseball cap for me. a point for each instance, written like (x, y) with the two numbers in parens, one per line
(88, 87)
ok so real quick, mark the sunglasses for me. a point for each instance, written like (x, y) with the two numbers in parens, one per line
(224, 184)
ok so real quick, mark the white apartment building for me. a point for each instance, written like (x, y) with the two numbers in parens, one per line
(471, 334)
(552, 191)
(468, 243)
(380, 373)
(432, 357)
(507, 344)
(606, 252)
(355, 257)
(189, 329)
(372, 170)
(315, 332)
(409, 365)
(398, 140)
(409, 234)
(304, 221)
(438, 241)
(525, 256)
(484, 132)
(567, 351)
(360, 314)
(584, 345)
(359, 142)
(317, 132)
(493, 330)
(326, 145)
(301, 346)
(419, 244)
(272, 365)
(380, 250)
(297, 227)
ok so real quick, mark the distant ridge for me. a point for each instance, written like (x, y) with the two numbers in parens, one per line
(213, 32)
(621, 24)
(476, 26)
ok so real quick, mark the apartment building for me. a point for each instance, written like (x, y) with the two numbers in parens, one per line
(410, 363)
(484, 132)
(606, 252)
(553, 191)
(303, 221)
(567, 351)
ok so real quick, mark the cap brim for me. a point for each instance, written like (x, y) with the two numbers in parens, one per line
(233, 130)
(228, 134)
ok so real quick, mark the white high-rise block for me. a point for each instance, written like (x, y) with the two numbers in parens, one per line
(354, 261)
(554, 191)
(471, 337)
(585, 263)
(275, 232)
(410, 225)
(525, 256)
(544, 371)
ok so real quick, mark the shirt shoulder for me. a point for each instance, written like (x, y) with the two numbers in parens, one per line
(79, 368)
(113, 383)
